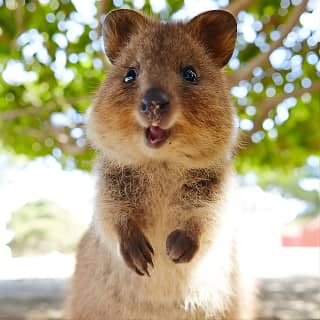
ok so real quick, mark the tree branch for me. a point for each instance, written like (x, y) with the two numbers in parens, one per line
(68, 146)
(268, 105)
(103, 8)
(12, 114)
(245, 72)
(238, 5)
(19, 17)
(32, 110)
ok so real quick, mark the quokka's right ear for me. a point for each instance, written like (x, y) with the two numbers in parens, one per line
(118, 26)
(217, 31)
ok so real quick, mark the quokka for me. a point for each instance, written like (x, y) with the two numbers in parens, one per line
(162, 241)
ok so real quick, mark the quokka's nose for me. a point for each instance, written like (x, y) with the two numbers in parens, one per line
(154, 104)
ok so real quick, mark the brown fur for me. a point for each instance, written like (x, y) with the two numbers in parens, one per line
(164, 207)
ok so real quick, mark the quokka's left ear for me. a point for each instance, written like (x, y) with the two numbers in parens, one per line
(118, 28)
(217, 32)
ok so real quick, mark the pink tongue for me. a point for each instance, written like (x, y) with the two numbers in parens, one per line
(156, 133)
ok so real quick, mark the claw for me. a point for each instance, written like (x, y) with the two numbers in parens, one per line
(150, 247)
(138, 272)
(136, 251)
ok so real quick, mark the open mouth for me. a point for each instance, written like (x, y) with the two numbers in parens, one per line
(155, 136)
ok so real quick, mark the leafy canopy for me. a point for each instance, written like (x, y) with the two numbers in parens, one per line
(51, 62)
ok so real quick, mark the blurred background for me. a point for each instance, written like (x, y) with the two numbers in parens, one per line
(51, 62)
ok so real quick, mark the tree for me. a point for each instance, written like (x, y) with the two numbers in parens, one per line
(40, 227)
(51, 62)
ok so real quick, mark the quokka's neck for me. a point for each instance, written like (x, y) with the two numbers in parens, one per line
(154, 167)
(166, 177)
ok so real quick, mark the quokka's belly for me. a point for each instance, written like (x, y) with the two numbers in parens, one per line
(105, 287)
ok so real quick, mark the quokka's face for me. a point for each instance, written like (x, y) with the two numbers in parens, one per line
(164, 97)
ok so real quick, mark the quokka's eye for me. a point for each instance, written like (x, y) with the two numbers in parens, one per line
(190, 75)
(130, 76)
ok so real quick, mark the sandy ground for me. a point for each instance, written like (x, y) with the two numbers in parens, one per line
(34, 288)
(294, 298)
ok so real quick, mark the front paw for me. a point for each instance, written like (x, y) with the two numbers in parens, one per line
(181, 247)
(136, 249)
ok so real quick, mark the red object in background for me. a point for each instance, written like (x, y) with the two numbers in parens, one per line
(304, 235)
